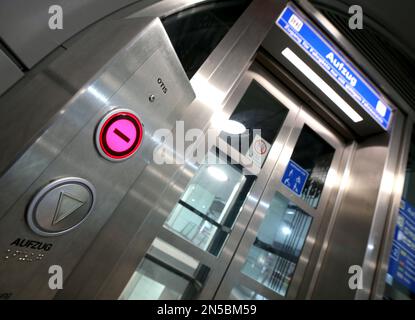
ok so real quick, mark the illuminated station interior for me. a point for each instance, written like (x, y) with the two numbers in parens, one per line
(207, 150)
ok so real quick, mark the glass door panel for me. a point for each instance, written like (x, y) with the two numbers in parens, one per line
(165, 273)
(313, 154)
(262, 116)
(210, 204)
(273, 254)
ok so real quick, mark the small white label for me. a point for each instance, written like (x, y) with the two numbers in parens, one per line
(381, 108)
(295, 22)
(258, 150)
(389, 279)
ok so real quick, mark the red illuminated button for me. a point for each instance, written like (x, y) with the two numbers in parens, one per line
(119, 135)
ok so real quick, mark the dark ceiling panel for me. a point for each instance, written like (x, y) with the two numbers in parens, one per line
(24, 24)
(376, 42)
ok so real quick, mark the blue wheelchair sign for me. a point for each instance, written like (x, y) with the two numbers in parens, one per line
(294, 178)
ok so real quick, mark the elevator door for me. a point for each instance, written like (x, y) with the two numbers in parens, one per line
(246, 219)
(276, 246)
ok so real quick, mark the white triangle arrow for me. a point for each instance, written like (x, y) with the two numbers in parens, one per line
(67, 205)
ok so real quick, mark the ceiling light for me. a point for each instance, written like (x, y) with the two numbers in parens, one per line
(217, 173)
(221, 122)
(290, 211)
(233, 127)
(286, 231)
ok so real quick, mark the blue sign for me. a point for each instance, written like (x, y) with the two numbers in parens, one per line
(319, 48)
(402, 257)
(294, 178)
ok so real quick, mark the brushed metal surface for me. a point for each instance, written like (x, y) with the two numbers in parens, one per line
(384, 244)
(27, 113)
(122, 72)
(348, 241)
(386, 197)
(10, 73)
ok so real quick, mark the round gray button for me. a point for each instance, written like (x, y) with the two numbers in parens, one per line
(61, 206)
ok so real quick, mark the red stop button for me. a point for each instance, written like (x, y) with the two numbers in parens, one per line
(119, 135)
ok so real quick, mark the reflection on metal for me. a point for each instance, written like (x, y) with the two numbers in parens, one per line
(384, 243)
(66, 104)
(207, 92)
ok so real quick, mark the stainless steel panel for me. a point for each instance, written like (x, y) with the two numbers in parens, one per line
(26, 112)
(120, 73)
(361, 232)
(157, 191)
(384, 246)
(9, 72)
(349, 237)
(386, 196)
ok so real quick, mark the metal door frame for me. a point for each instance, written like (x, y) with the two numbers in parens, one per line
(305, 117)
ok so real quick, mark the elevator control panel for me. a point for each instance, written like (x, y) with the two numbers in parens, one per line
(113, 88)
